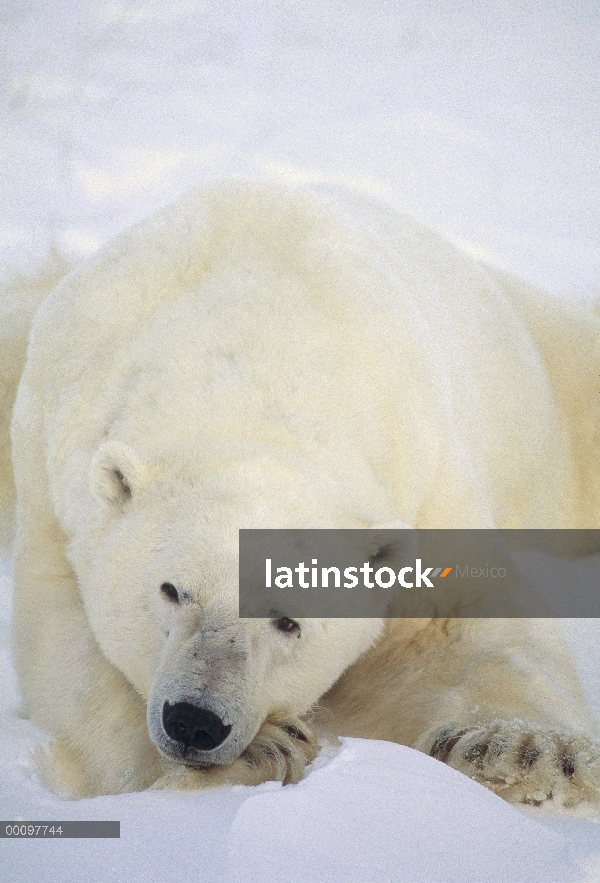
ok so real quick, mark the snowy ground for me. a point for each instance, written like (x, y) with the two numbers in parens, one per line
(480, 119)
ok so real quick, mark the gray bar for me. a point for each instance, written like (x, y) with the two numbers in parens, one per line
(419, 573)
(58, 830)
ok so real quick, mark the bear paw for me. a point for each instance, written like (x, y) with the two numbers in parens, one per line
(520, 764)
(279, 752)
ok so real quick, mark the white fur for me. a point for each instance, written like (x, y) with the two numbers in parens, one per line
(257, 356)
(20, 297)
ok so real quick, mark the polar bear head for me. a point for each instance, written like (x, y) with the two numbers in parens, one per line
(159, 579)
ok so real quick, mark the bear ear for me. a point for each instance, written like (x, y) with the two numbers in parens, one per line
(116, 473)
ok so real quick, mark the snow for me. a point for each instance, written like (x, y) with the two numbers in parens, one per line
(385, 812)
(479, 119)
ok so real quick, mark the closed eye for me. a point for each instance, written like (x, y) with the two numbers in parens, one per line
(383, 553)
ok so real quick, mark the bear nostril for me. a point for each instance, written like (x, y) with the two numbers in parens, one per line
(194, 727)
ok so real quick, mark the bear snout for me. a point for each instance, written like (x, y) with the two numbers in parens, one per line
(194, 727)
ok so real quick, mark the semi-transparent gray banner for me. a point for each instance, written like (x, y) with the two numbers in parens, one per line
(419, 573)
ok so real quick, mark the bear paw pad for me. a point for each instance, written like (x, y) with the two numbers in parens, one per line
(519, 763)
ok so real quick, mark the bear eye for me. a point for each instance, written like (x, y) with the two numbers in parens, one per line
(382, 554)
(289, 626)
(170, 592)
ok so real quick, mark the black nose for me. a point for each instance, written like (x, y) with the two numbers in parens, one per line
(194, 727)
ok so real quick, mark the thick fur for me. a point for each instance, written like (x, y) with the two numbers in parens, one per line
(258, 356)
(20, 298)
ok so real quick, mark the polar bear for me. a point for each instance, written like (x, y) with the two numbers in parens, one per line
(263, 356)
